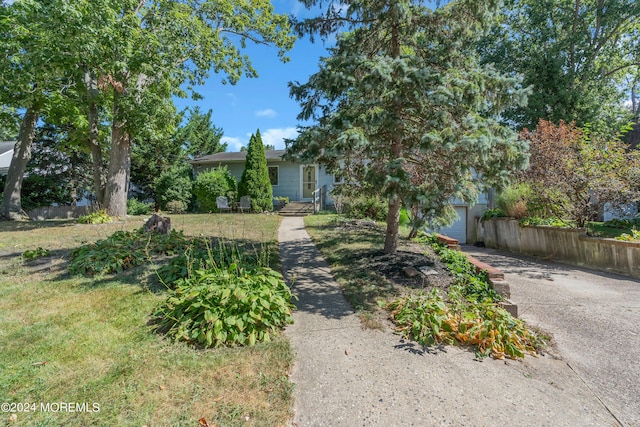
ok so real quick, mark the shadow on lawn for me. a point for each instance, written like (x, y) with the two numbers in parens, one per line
(9, 226)
(146, 274)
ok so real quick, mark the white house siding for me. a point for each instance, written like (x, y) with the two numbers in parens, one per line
(288, 180)
(325, 180)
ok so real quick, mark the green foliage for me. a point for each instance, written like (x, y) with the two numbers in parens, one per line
(35, 253)
(227, 306)
(403, 109)
(574, 56)
(493, 213)
(136, 207)
(176, 207)
(512, 201)
(199, 136)
(200, 254)
(533, 221)
(429, 320)
(472, 284)
(255, 177)
(405, 218)
(124, 250)
(212, 184)
(98, 217)
(361, 207)
(175, 185)
(573, 174)
(622, 223)
(469, 315)
(633, 237)
(58, 171)
(155, 153)
(281, 199)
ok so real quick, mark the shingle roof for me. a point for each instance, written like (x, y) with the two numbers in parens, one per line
(229, 157)
(6, 146)
(5, 155)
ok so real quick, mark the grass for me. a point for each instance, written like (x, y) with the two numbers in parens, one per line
(600, 229)
(75, 339)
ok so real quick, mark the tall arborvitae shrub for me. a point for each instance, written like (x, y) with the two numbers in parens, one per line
(255, 178)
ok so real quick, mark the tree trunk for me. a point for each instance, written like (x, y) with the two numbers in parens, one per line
(393, 217)
(91, 84)
(115, 197)
(11, 207)
(393, 226)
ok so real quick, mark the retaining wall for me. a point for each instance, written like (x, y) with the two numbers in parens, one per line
(570, 246)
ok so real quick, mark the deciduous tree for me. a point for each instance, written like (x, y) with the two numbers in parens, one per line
(29, 76)
(579, 57)
(574, 174)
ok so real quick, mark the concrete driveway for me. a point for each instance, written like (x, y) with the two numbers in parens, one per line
(594, 318)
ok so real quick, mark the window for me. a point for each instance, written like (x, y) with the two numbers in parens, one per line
(273, 175)
(337, 179)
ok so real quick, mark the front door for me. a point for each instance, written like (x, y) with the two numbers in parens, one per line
(309, 182)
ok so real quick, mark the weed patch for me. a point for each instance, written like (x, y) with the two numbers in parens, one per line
(123, 250)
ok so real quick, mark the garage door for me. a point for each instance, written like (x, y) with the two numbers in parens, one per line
(458, 230)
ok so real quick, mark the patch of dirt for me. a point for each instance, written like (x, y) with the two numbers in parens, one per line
(403, 268)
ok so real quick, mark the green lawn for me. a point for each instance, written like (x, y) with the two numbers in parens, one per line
(88, 340)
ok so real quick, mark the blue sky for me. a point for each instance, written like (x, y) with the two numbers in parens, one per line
(261, 103)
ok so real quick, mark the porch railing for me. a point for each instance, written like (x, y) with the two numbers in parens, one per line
(318, 198)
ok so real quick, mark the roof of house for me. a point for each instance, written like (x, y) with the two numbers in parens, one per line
(238, 157)
(6, 148)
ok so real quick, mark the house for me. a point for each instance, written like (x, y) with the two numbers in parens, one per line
(6, 153)
(464, 229)
(295, 181)
(298, 183)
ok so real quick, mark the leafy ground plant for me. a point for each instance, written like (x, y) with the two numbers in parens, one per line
(428, 320)
(469, 315)
(98, 217)
(35, 253)
(630, 237)
(123, 250)
(227, 306)
(457, 306)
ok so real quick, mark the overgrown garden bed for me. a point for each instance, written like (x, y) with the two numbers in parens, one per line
(452, 305)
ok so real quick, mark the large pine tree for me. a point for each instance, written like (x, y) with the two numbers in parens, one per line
(255, 178)
(403, 108)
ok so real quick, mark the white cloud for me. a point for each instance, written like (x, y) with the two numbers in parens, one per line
(273, 137)
(269, 113)
(233, 144)
(234, 99)
(276, 137)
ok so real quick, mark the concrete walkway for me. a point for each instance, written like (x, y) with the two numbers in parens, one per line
(346, 376)
(594, 317)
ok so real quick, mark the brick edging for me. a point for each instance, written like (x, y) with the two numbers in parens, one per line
(495, 275)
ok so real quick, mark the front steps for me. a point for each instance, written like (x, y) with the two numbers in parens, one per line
(297, 209)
